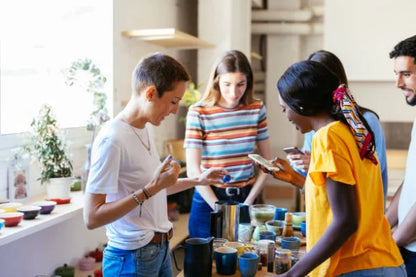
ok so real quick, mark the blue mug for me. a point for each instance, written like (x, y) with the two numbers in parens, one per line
(303, 228)
(247, 264)
(226, 260)
(280, 214)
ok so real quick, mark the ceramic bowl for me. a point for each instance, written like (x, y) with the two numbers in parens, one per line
(11, 219)
(297, 218)
(46, 206)
(275, 226)
(29, 212)
(262, 212)
(10, 207)
(1, 223)
(291, 243)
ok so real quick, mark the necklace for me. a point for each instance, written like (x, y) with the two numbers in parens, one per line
(141, 140)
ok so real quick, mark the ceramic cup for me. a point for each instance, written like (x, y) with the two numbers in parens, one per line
(267, 235)
(247, 264)
(291, 243)
(280, 214)
(275, 226)
(245, 231)
(226, 260)
(303, 228)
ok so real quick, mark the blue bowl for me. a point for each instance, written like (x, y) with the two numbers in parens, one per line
(291, 243)
(2, 223)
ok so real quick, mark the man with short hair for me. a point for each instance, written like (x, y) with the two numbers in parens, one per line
(402, 210)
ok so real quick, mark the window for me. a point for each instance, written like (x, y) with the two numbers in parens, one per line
(39, 40)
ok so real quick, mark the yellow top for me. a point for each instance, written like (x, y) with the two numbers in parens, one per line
(335, 155)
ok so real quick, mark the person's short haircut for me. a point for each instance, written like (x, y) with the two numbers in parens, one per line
(159, 70)
(406, 47)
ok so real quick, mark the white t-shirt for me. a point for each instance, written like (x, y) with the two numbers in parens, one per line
(120, 165)
(408, 194)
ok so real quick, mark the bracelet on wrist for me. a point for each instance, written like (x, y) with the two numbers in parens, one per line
(146, 193)
(140, 203)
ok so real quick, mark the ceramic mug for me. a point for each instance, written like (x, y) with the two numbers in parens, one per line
(291, 243)
(280, 214)
(226, 260)
(247, 264)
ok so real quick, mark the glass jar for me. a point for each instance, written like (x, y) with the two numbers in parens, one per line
(283, 261)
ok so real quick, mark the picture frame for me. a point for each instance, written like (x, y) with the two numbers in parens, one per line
(19, 184)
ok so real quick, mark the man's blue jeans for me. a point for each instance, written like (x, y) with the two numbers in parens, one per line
(409, 258)
(149, 261)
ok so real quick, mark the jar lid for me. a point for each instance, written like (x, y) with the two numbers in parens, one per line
(283, 252)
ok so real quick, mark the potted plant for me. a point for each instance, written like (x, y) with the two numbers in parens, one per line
(190, 97)
(49, 149)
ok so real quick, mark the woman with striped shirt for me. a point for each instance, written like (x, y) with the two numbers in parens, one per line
(221, 130)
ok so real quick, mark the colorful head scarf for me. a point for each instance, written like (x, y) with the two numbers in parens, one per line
(363, 137)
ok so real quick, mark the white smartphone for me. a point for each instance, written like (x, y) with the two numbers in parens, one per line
(266, 163)
(293, 150)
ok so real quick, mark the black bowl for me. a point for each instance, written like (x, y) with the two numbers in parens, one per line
(29, 212)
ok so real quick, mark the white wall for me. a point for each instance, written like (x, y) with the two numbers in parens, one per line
(365, 32)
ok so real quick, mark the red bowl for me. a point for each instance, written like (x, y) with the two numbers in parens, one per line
(11, 219)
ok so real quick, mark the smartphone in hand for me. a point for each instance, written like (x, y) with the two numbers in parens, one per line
(293, 150)
(266, 163)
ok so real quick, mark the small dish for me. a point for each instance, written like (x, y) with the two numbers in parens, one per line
(46, 206)
(2, 223)
(297, 218)
(10, 207)
(275, 226)
(29, 212)
(11, 219)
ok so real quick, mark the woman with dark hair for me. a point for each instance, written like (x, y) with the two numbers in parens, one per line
(221, 130)
(301, 161)
(348, 234)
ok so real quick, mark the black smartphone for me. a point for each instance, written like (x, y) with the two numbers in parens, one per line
(293, 150)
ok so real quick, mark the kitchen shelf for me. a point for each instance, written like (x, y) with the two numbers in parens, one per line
(59, 214)
(168, 37)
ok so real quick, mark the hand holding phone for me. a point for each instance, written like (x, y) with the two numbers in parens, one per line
(293, 150)
(262, 161)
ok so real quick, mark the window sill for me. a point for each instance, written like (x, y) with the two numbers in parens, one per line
(61, 213)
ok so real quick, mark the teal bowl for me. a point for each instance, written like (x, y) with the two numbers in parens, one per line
(1, 223)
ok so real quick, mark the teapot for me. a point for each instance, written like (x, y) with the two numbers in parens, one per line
(198, 257)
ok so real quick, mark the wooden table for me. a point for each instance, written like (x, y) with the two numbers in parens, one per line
(259, 273)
